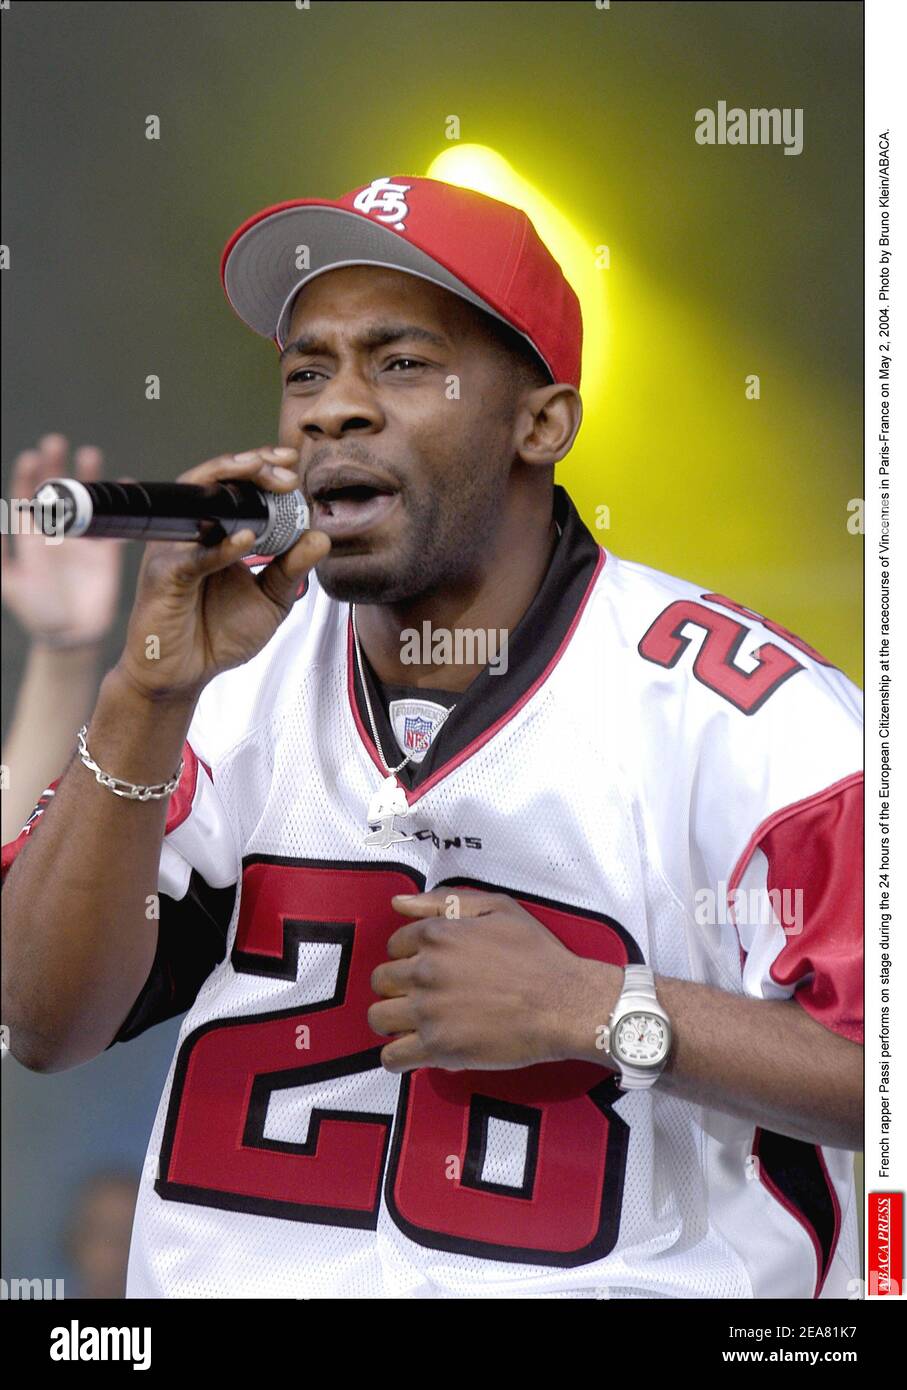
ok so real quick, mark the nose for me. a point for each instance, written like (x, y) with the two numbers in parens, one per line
(346, 404)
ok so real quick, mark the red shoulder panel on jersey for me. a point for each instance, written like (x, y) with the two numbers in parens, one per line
(182, 798)
(177, 811)
(816, 846)
(14, 848)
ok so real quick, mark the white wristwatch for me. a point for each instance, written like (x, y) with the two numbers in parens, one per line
(638, 1036)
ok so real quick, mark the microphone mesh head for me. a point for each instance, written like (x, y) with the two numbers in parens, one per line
(289, 518)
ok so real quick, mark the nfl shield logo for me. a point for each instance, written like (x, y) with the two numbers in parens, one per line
(416, 734)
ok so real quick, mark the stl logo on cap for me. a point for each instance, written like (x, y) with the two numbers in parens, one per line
(388, 199)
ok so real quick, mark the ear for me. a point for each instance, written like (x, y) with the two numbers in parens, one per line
(547, 422)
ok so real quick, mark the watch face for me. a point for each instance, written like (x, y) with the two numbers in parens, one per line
(641, 1039)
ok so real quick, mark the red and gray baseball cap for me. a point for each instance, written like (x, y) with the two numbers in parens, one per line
(486, 251)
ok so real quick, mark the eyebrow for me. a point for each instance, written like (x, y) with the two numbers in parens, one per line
(378, 336)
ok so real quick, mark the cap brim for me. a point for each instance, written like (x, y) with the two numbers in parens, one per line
(261, 277)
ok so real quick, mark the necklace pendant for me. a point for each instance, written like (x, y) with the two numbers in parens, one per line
(386, 805)
(385, 834)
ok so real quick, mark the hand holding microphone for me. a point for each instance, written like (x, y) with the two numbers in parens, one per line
(197, 611)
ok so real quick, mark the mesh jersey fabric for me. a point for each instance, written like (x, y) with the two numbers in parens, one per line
(285, 1162)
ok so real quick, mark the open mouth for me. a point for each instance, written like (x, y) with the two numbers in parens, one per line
(346, 511)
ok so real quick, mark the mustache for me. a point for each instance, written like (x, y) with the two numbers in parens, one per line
(353, 451)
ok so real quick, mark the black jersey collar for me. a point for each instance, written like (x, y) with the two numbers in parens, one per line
(534, 648)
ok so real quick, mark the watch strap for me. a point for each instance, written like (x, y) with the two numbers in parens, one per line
(639, 979)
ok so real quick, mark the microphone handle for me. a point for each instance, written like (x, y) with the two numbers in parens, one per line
(171, 511)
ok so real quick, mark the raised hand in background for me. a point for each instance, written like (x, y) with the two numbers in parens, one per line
(64, 594)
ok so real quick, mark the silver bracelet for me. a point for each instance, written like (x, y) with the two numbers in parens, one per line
(131, 790)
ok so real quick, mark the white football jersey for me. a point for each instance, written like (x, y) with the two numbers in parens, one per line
(659, 775)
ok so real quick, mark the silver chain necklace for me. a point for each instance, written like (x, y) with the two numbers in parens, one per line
(389, 801)
(368, 703)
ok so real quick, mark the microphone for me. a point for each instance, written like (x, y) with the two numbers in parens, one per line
(170, 512)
